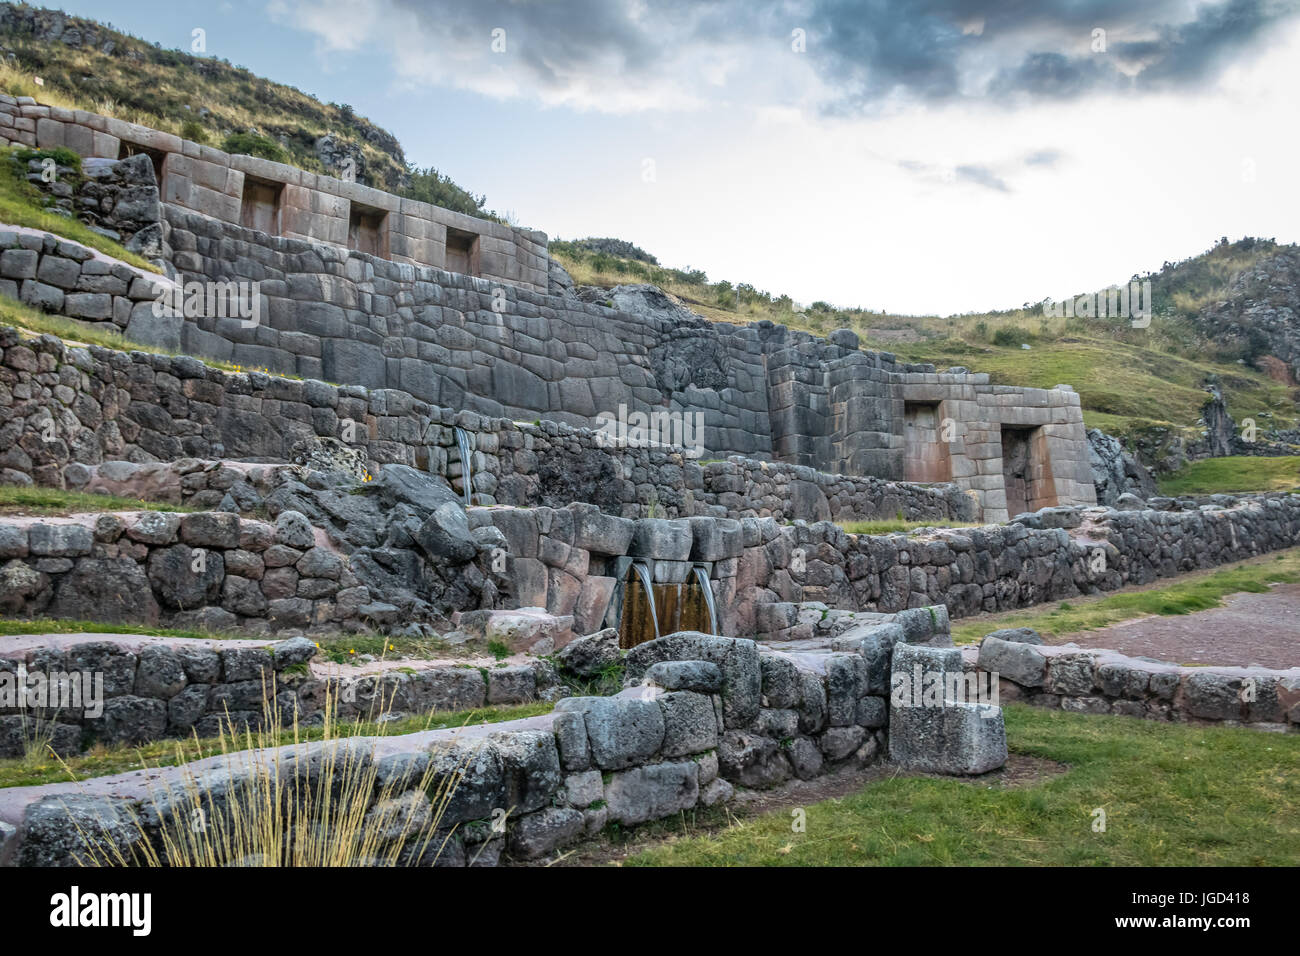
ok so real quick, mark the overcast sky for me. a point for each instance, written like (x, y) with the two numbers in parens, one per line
(933, 156)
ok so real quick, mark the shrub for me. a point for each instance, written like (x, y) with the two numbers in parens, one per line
(255, 144)
(194, 131)
(1010, 335)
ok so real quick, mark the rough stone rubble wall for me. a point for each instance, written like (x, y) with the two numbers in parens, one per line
(1049, 556)
(182, 687)
(713, 713)
(206, 180)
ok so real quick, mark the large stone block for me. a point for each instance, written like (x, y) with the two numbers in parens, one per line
(943, 736)
(690, 724)
(1018, 662)
(621, 731)
(738, 659)
(651, 792)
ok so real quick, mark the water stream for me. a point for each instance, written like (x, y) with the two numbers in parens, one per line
(643, 572)
(702, 578)
(467, 470)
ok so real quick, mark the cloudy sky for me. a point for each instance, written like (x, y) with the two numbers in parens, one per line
(932, 156)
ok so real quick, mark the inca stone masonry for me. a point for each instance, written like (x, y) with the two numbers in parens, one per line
(362, 288)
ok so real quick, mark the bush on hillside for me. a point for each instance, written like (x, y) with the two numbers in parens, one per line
(254, 144)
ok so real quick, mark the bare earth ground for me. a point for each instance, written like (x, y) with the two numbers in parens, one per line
(1020, 771)
(1250, 630)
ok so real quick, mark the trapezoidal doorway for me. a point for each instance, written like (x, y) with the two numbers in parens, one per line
(1026, 470)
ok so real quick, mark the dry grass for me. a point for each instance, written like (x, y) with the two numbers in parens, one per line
(309, 804)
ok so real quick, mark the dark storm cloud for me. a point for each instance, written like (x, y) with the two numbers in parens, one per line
(869, 50)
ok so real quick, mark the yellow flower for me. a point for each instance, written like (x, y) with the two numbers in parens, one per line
(352, 652)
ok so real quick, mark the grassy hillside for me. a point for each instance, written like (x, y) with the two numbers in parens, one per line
(90, 66)
(1129, 380)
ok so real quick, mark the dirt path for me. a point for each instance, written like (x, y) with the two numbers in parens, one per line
(1250, 630)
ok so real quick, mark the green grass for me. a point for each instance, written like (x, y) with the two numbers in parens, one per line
(55, 501)
(102, 761)
(1196, 593)
(893, 527)
(104, 334)
(1173, 795)
(22, 204)
(1239, 473)
(51, 625)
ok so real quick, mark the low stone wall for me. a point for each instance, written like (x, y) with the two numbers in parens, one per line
(70, 279)
(1047, 556)
(1106, 682)
(709, 713)
(154, 688)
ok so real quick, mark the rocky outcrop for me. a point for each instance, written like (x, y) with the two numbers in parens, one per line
(1260, 312)
(1114, 470)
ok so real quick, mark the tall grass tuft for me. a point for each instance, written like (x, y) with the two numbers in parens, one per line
(311, 803)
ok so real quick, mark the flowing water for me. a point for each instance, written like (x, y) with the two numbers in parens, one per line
(467, 470)
(702, 578)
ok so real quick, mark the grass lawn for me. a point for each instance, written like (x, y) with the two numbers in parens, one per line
(1172, 795)
(1235, 474)
(19, 500)
(102, 760)
(1196, 592)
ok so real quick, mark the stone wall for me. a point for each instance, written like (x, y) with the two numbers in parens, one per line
(69, 279)
(709, 713)
(206, 180)
(326, 313)
(71, 409)
(1049, 556)
(1106, 682)
(208, 570)
(154, 688)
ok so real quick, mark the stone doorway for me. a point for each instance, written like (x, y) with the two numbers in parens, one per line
(1026, 470)
(925, 452)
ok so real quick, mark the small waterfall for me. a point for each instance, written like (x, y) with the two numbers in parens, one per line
(643, 572)
(702, 578)
(467, 470)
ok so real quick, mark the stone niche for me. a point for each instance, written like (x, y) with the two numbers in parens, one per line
(368, 230)
(1026, 470)
(260, 206)
(462, 252)
(925, 452)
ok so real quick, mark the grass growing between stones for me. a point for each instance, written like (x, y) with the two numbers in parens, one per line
(1173, 795)
(894, 527)
(1238, 473)
(22, 204)
(1196, 593)
(104, 334)
(40, 766)
(19, 500)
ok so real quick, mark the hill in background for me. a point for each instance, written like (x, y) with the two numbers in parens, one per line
(91, 66)
(1147, 386)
